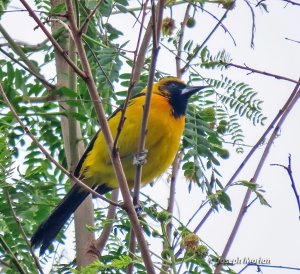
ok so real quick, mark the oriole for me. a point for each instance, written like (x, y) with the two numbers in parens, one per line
(165, 127)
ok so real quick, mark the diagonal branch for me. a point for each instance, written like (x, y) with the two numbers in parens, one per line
(56, 45)
(37, 75)
(252, 70)
(31, 67)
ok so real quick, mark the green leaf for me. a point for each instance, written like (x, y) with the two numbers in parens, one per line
(66, 92)
(249, 184)
(262, 199)
(91, 4)
(59, 8)
(224, 199)
(122, 261)
(10, 72)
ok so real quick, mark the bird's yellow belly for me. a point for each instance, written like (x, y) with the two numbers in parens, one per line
(162, 142)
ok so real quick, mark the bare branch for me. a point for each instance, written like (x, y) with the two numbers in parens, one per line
(100, 242)
(88, 18)
(252, 70)
(253, 22)
(290, 173)
(156, 26)
(291, 2)
(53, 41)
(180, 40)
(138, 63)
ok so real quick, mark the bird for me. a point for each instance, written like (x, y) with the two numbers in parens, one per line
(165, 127)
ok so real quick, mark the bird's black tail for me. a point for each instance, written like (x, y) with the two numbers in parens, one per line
(48, 230)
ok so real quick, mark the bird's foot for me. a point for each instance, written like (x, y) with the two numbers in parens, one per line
(140, 159)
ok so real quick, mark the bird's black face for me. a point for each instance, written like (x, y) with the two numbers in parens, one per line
(178, 94)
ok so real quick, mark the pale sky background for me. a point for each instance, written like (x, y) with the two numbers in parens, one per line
(269, 233)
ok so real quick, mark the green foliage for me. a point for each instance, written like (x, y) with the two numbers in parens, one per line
(209, 61)
(255, 188)
(97, 266)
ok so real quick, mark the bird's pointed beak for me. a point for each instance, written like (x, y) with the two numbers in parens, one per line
(189, 91)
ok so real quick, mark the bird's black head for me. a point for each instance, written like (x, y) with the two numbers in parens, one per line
(177, 93)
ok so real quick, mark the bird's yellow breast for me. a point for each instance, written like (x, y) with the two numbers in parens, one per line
(162, 142)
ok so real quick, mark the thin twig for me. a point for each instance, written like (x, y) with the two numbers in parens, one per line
(290, 173)
(252, 70)
(263, 158)
(138, 61)
(180, 40)
(102, 239)
(268, 266)
(53, 41)
(88, 18)
(292, 40)
(291, 2)
(29, 47)
(4, 264)
(18, 223)
(155, 21)
(253, 22)
(47, 154)
(222, 25)
(142, 140)
(171, 202)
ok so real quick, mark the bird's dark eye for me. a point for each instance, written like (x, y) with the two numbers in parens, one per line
(175, 86)
(172, 85)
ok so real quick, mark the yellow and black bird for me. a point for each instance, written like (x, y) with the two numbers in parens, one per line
(165, 127)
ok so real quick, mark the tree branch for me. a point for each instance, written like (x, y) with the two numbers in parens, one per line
(180, 41)
(32, 68)
(291, 2)
(290, 173)
(102, 239)
(138, 63)
(252, 70)
(56, 45)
